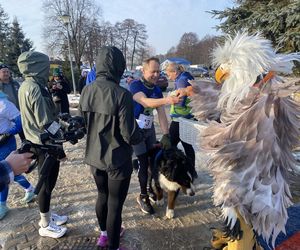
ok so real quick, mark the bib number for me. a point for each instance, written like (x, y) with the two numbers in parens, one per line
(145, 121)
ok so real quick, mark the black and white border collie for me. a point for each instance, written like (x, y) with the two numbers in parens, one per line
(171, 172)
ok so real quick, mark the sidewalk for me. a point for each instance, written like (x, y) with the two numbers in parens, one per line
(75, 196)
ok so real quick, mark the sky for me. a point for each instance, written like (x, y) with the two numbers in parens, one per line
(166, 20)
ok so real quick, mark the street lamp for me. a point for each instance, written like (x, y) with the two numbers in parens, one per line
(66, 20)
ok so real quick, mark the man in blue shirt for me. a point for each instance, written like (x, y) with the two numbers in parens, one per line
(147, 97)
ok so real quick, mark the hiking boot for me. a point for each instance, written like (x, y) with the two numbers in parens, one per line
(29, 196)
(57, 219)
(52, 230)
(145, 205)
(3, 211)
(103, 240)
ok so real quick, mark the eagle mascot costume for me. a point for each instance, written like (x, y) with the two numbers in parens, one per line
(252, 127)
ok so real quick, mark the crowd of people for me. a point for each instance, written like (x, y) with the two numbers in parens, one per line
(118, 121)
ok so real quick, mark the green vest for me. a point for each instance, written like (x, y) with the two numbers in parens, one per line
(181, 110)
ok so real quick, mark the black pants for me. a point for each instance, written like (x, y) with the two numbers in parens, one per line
(109, 205)
(143, 172)
(175, 139)
(44, 196)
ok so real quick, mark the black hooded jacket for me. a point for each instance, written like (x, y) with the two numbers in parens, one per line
(108, 111)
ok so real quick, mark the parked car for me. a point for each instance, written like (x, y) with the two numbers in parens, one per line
(137, 74)
(199, 72)
(162, 82)
(128, 77)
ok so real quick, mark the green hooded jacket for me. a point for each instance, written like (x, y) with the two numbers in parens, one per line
(36, 105)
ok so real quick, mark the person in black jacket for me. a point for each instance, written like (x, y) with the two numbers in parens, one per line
(111, 130)
(60, 88)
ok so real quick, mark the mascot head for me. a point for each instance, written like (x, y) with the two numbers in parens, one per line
(241, 60)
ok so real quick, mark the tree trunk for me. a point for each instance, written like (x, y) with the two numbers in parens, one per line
(133, 50)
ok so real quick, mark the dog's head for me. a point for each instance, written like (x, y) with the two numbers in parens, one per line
(175, 166)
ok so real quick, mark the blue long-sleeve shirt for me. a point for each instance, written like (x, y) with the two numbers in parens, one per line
(16, 126)
(91, 76)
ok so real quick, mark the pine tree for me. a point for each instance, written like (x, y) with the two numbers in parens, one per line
(277, 20)
(3, 35)
(17, 44)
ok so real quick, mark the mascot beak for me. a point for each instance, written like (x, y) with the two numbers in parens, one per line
(221, 75)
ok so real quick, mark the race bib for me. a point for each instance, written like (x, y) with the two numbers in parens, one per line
(145, 121)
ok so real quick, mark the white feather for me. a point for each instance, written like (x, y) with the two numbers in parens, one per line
(245, 57)
(258, 190)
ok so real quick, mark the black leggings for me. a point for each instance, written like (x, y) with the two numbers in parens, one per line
(143, 172)
(109, 205)
(175, 139)
(44, 196)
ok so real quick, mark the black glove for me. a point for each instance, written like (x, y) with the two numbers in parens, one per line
(165, 142)
(4, 138)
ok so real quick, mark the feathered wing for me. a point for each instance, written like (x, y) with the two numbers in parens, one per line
(252, 159)
(204, 100)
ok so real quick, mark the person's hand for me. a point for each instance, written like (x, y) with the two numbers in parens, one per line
(19, 163)
(59, 86)
(188, 91)
(181, 92)
(165, 142)
(4, 138)
(173, 99)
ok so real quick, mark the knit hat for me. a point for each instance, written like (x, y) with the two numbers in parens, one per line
(56, 72)
(3, 66)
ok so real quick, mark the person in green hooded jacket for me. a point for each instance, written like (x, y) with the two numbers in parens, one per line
(37, 113)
